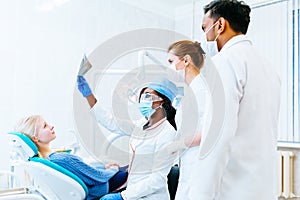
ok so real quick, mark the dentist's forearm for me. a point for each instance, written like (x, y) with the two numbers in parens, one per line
(91, 100)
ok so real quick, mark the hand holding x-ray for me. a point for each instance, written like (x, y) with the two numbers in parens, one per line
(85, 66)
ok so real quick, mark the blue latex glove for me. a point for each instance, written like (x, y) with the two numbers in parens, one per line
(83, 86)
(112, 196)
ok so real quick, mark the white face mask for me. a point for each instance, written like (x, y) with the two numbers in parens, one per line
(180, 73)
(210, 47)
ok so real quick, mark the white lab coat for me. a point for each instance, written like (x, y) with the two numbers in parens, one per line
(242, 165)
(188, 159)
(150, 162)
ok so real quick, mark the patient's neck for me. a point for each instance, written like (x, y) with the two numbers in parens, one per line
(44, 150)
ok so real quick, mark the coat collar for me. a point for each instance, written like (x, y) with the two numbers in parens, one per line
(234, 40)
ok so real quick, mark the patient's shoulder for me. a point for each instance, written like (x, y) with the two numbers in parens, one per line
(55, 156)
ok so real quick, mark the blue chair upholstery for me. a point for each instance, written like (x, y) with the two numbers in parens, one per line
(52, 180)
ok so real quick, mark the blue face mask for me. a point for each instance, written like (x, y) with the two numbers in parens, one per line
(146, 108)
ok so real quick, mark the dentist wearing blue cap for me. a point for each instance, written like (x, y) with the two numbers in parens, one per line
(150, 162)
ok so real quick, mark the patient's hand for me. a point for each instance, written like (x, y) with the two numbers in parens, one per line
(112, 166)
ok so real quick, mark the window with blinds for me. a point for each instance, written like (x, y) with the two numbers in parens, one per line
(274, 30)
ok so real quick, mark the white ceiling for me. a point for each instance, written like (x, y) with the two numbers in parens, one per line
(171, 4)
(162, 7)
(167, 7)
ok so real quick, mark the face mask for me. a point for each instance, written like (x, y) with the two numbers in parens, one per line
(172, 66)
(146, 108)
(210, 47)
(180, 73)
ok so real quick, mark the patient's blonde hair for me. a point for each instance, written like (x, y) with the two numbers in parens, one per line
(28, 125)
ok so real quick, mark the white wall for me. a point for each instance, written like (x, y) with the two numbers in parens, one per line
(42, 44)
(188, 20)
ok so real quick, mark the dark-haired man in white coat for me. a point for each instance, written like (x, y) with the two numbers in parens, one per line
(242, 164)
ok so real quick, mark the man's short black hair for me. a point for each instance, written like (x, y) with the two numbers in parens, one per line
(237, 13)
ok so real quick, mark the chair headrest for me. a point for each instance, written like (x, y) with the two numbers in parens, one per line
(24, 146)
(26, 149)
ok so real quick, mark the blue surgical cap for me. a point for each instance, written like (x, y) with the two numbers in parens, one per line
(165, 87)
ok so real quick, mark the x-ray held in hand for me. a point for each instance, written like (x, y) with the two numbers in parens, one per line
(85, 66)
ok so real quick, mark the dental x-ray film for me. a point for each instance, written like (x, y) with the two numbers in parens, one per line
(85, 66)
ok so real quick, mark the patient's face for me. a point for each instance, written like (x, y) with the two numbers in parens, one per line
(45, 132)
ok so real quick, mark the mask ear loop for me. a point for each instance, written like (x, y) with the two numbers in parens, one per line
(161, 107)
(217, 37)
(220, 26)
(212, 26)
(154, 110)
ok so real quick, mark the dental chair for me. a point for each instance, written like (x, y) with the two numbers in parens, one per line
(52, 181)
